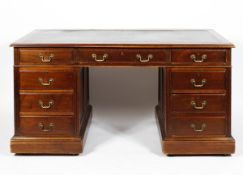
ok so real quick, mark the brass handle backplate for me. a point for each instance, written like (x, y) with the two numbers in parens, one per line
(198, 60)
(201, 129)
(203, 82)
(46, 128)
(146, 59)
(50, 104)
(46, 59)
(203, 105)
(99, 59)
(48, 83)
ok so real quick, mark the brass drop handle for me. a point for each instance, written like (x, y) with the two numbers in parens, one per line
(203, 82)
(48, 83)
(99, 59)
(198, 60)
(50, 104)
(46, 59)
(203, 126)
(47, 128)
(146, 59)
(203, 105)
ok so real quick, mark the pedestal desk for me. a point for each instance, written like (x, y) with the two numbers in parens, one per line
(51, 87)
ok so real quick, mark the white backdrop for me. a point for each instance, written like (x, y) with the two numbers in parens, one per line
(123, 138)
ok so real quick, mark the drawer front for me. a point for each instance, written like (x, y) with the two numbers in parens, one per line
(204, 126)
(196, 103)
(46, 80)
(123, 56)
(46, 103)
(196, 80)
(148, 56)
(45, 56)
(198, 56)
(43, 126)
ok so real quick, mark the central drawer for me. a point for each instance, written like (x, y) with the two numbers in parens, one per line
(106, 56)
(47, 103)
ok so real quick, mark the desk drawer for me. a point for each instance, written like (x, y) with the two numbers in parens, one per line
(148, 56)
(46, 80)
(47, 103)
(46, 126)
(123, 56)
(198, 56)
(198, 103)
(191, 127)
(45, 56)
(198, 80)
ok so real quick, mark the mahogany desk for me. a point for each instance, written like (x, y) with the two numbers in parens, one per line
(51, 76)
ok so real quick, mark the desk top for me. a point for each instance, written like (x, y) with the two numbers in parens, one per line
(118, 38)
